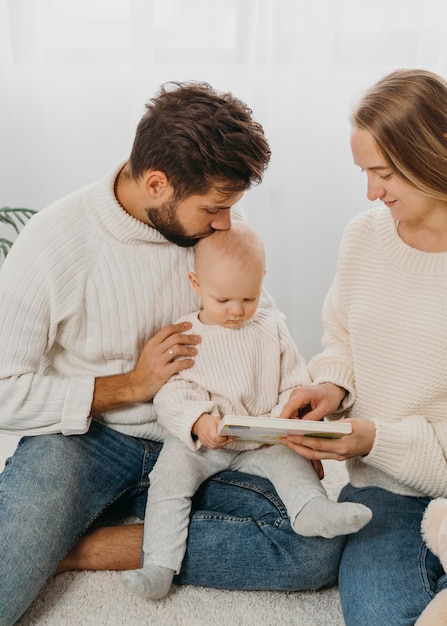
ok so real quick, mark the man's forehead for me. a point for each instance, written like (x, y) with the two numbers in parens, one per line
(219, 195)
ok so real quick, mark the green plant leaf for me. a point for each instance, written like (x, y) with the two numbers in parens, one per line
(15, 217)
(5, 246)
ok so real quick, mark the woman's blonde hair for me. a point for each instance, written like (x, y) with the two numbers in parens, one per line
(406, 113)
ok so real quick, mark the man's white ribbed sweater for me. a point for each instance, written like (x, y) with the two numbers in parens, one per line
(83, 289)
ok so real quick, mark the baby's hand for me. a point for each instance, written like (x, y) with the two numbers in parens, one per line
(205, 428)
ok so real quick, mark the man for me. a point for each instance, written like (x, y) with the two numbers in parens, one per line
(87, 296)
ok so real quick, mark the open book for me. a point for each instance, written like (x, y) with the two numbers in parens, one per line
(271, 429)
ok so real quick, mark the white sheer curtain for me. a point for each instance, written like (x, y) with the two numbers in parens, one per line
(75, 75)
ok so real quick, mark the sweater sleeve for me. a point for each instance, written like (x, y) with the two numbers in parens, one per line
(413, 452)
(35, 290)
(335, 364)
(179, 404)
(293, 368)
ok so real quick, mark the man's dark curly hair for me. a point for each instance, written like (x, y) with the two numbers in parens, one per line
(200, 139)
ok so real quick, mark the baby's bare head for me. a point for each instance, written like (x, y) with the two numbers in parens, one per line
(240, 244)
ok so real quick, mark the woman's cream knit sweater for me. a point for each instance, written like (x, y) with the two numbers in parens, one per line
(386, 342)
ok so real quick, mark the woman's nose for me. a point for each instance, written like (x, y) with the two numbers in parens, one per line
(374, 191)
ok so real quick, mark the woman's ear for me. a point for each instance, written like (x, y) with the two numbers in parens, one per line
(194, 282)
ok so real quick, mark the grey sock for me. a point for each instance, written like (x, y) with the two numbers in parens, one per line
(322, 517)
(151, 581)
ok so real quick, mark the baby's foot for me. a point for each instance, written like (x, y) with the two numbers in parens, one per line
(322, 517)
(151, 581)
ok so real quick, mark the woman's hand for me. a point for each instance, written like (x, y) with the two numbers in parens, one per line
(358, 443)
(313, 401)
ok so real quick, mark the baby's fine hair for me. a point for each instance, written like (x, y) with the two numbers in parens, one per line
(200, 139)
(241, 243)
(406, 113)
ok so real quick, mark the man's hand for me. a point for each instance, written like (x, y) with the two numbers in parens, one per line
(157, 363)
(313, 401)
(205, 428)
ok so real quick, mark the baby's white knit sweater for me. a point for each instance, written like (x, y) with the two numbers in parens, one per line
(246, 371)
(83, 289)
(386, 342)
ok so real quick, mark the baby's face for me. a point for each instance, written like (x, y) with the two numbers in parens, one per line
(230, 295)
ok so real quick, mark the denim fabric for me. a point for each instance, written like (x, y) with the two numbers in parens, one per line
(55, 487)
(387, 574)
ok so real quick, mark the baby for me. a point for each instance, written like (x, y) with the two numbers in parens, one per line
(247, 365)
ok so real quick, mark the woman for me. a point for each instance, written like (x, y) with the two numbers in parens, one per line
(384, 361)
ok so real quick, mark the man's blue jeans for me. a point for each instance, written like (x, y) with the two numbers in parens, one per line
(54, 488)
(387, 574)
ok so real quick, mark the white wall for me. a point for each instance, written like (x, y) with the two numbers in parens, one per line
(75, 76)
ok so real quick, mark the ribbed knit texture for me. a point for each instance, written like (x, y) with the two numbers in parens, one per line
(386, 342)
(245, 371)
(83, 289)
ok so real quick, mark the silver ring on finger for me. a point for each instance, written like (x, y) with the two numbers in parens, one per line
(171, 352)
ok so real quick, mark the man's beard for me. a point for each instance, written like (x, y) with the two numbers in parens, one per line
(165, 220)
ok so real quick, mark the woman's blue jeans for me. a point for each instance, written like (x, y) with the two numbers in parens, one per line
(387, 574)
(54, 488)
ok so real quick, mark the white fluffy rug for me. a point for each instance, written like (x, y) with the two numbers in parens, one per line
(99, 599)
